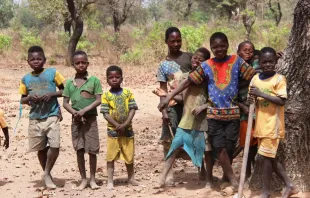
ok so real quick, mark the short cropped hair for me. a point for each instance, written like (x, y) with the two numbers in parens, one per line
(79, 52)
(268, 50)
(114, 68)
(171, 30)
(243, 43)
(218, 35)
(37, 49)
(256, 52)
(205, 52)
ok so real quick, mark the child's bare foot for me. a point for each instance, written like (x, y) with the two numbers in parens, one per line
(110, 185)
(93, 185)
(83, 184)
(289, 191)
(133, 182)
(49, 182)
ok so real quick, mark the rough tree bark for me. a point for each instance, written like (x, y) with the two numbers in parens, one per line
(188, 9)
(277, 14)
(294, 153)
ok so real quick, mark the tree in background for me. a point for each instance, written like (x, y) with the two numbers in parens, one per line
(295, 151)
(120, 10)
(6, 12)
(276, 12)
(249, 16)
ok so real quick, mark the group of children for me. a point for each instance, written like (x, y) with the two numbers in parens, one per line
(38, 90)
(204, 103)
(215, 98)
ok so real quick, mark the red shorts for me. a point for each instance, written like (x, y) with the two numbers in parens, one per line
(243, 128)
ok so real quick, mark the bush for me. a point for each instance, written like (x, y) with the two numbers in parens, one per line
(193, 37)
(62, 41)
(84, 44)
(5, 42)
(29, 39)
(134, 56)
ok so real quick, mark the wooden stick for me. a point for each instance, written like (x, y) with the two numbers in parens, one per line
(246, 151)
(170, 129)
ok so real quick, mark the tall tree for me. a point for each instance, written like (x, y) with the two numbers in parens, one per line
(276, 12)
(295, 65)
(120, 10)
(249, 16)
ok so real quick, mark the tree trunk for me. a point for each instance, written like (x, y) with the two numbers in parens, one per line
(294, 153)
(77, 33)
(277, 14)
(188, 9)
(117, 24)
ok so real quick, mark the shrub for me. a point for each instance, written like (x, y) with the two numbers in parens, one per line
(84, 44)
(193, 37)
(5, 42)
(29, 38)
(133, 56)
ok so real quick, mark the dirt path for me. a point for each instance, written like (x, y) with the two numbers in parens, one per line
(20, 172)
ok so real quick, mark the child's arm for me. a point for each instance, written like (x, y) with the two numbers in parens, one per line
(274, 99)
(46, 97)
(67, 106)
(178, 98)
(6, 143)
(244, 107)
(131, 114)
(165, 101)
(163, 86)
(200, 109)
(110, 119)
(93, 105)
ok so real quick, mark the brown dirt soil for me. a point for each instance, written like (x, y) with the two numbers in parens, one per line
(20, 172)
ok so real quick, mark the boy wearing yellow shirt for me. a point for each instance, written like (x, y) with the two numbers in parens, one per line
(5, 130)
(268, 89)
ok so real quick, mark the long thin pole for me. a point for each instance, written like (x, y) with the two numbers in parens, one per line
(246, 151)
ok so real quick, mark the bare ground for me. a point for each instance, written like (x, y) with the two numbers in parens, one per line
(20, 172)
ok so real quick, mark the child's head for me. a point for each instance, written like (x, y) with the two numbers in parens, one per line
(173, 39)
(80, 62)
(256, 55)
(114, 76)
(202, 54)
(219, 45)
(268, 60)
(246, 50)
(36, 58)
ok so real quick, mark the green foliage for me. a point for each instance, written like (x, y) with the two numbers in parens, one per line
(62, 42)
(6, 12)
(199, 16)
(25, 17)
(29, 38)
(274, 36)
(134, 56)
(193, 37)
(5, 42)
(93, 21)
(84, 44)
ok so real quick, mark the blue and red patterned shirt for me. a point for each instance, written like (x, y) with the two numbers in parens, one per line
(222, 77)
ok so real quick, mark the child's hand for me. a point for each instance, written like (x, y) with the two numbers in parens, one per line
(6, 143)
(79, 114)
(255, 91)
(121, 128)
(34, 98)
(46, 97)
(251, 99)
(165, 118)
(163, 104)
(197, 111)
(244, 108)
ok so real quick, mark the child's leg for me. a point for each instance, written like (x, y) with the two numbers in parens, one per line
(131, 176)
(251, 160)
(267, 173)
(279, 170)
(52, 155)
(42, 155)
(166, 146)
(81, 164)
(225, 162)
(110, 170)
(167, 167)
(202, 172)
(93, 167)
(209, 166)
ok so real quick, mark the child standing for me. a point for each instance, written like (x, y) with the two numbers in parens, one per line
(190, 131)
(169, 72)
(246, 51)
(269, 90)
(5, 130)
(118, 108)
(84, 91)
(222, 76)
(38, 89)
